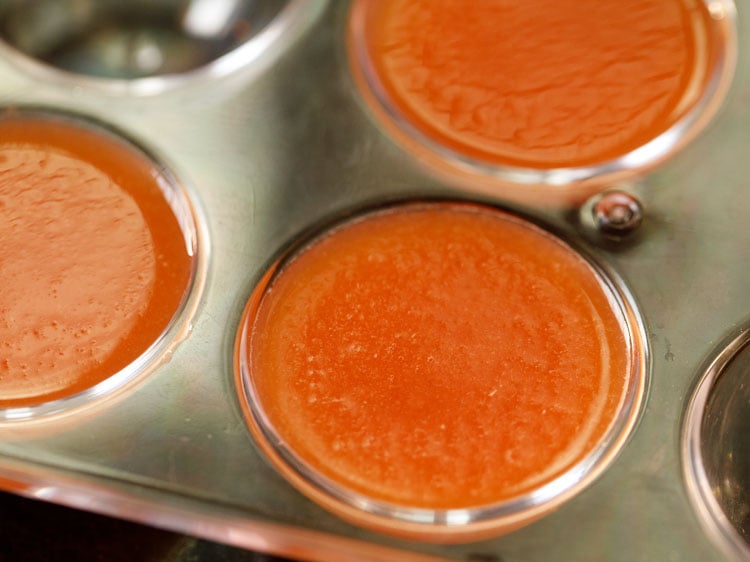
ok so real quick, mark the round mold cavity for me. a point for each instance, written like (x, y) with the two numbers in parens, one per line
(716, 446)
(144, 46)
(107, 261)
(563, 98)
(399, 370)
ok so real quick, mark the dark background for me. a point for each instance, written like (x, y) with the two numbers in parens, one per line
(37, 531)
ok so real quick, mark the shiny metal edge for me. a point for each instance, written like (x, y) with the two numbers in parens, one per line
(635, 511)
(185, 515)
(257, 53)
(710, 514)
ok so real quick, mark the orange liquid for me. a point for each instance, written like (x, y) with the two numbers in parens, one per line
(93, 263)
(543, 83)
(438, 356)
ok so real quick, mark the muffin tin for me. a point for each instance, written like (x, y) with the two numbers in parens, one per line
(281, 144)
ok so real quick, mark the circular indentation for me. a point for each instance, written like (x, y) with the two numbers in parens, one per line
(617, 213)
(102, 263)
(550, 92)
(716, 448)
(440, 371)
(146, 45)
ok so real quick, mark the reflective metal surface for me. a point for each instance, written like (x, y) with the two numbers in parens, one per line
(143, 46)
(276, 148)
(616, 213)
(716, 448)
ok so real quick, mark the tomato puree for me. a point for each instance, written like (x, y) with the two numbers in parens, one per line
(438, 356)
(93, 262)
(542, 83)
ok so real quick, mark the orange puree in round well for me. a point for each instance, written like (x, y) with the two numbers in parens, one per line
(542, 83)
(438, 356)
(93, 264)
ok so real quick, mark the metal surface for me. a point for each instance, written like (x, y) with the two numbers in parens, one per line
(142, 47)
(716, 448)
(617, 213)
(273, 152)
